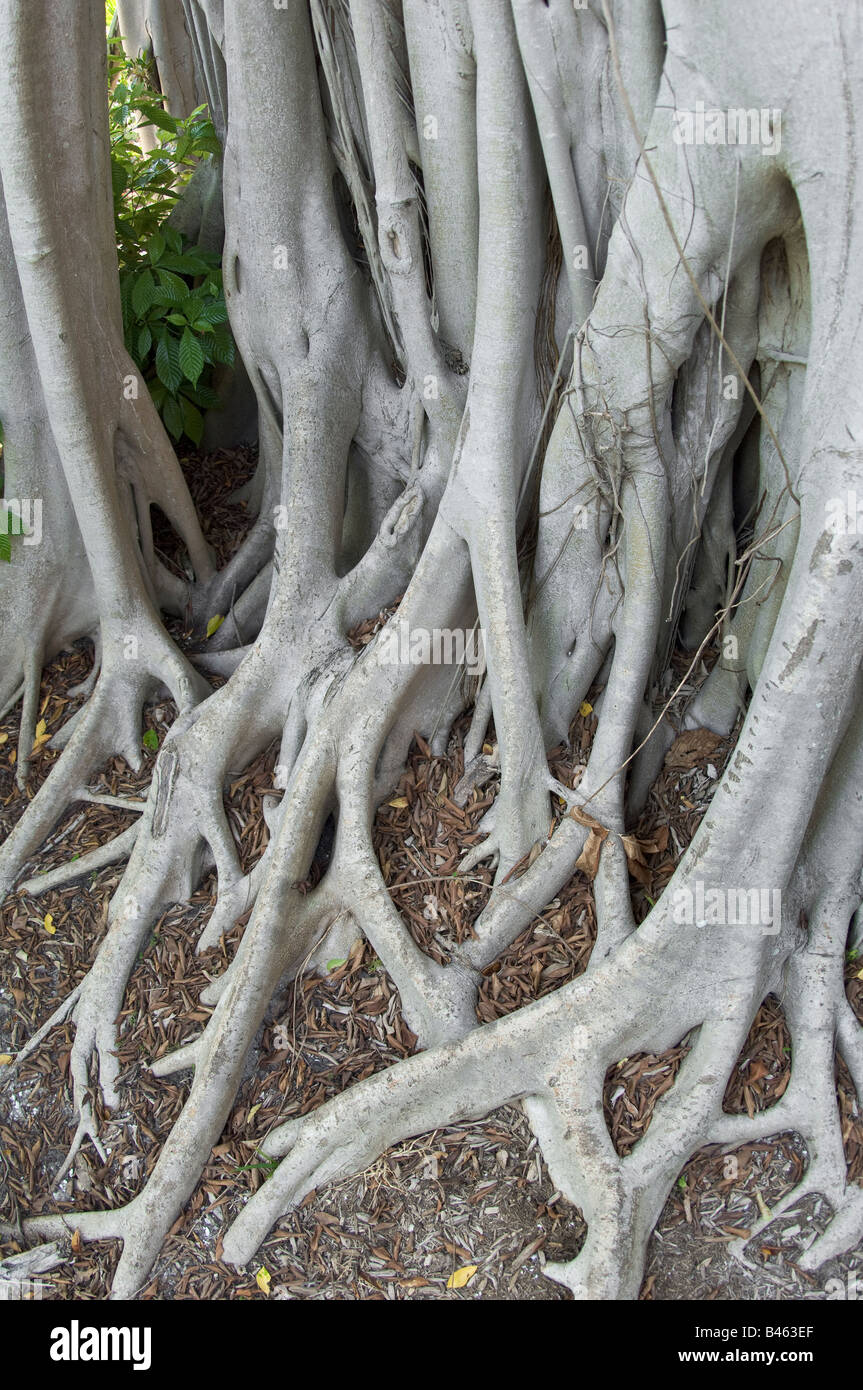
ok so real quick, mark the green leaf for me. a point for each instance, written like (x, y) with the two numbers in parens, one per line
(214, 624)
(214, 311)
(176, 289)
(143, 293)
(191, 356)
(145, 342)
(174, 239)
(178, 319)
(119, 179)
(209, 144)
(156, 247)
(6, 547)
(188, 264)
(151, 740)
(205, 397)
(223, 348)
(168, 363)
(154, 115)
(193, 420)
(334, 964)
(173, 417)
(126, 286)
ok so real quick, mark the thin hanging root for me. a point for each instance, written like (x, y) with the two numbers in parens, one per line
(118, 848)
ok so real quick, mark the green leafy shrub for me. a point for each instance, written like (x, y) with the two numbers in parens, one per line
(175, 323)
(174, 317)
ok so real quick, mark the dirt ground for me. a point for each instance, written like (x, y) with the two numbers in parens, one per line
(466, 1212)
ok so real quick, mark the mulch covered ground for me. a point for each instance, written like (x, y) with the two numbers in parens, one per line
(466, 1212)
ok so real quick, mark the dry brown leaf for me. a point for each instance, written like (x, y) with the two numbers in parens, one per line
(582, 818)
(588, 860)
(633, 849)
(692, 747)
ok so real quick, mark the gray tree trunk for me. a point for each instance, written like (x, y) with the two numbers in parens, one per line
(423, 405)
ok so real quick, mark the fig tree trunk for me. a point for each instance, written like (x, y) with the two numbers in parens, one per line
(554, 321)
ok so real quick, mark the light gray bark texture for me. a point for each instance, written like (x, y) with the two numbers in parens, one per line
(495, 268)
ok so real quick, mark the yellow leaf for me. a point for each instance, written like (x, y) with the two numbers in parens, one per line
(460, 1277)
(762, 1205)
(41, 735)
(214, 624)
(12, 756)
(585, 709)
(860, 974)
(49, 924)
(398, 801)
(4, 738)
(5, 1059)
(252, 1113)
(262, 1279)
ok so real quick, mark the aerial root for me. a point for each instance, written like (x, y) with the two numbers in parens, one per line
(87, 1128)
(232, 901)
(29, 710)
(809, 1108)
(118, 803)
(92, 1225)
(438, 1002)
(456, 1081)
(844, 1232)
(101, 729)
(180, 1059)
(478, 724)
(118, 848)
(84, 689)
(58, 1016)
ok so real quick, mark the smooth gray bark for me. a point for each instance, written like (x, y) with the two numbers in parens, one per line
(711, 355)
